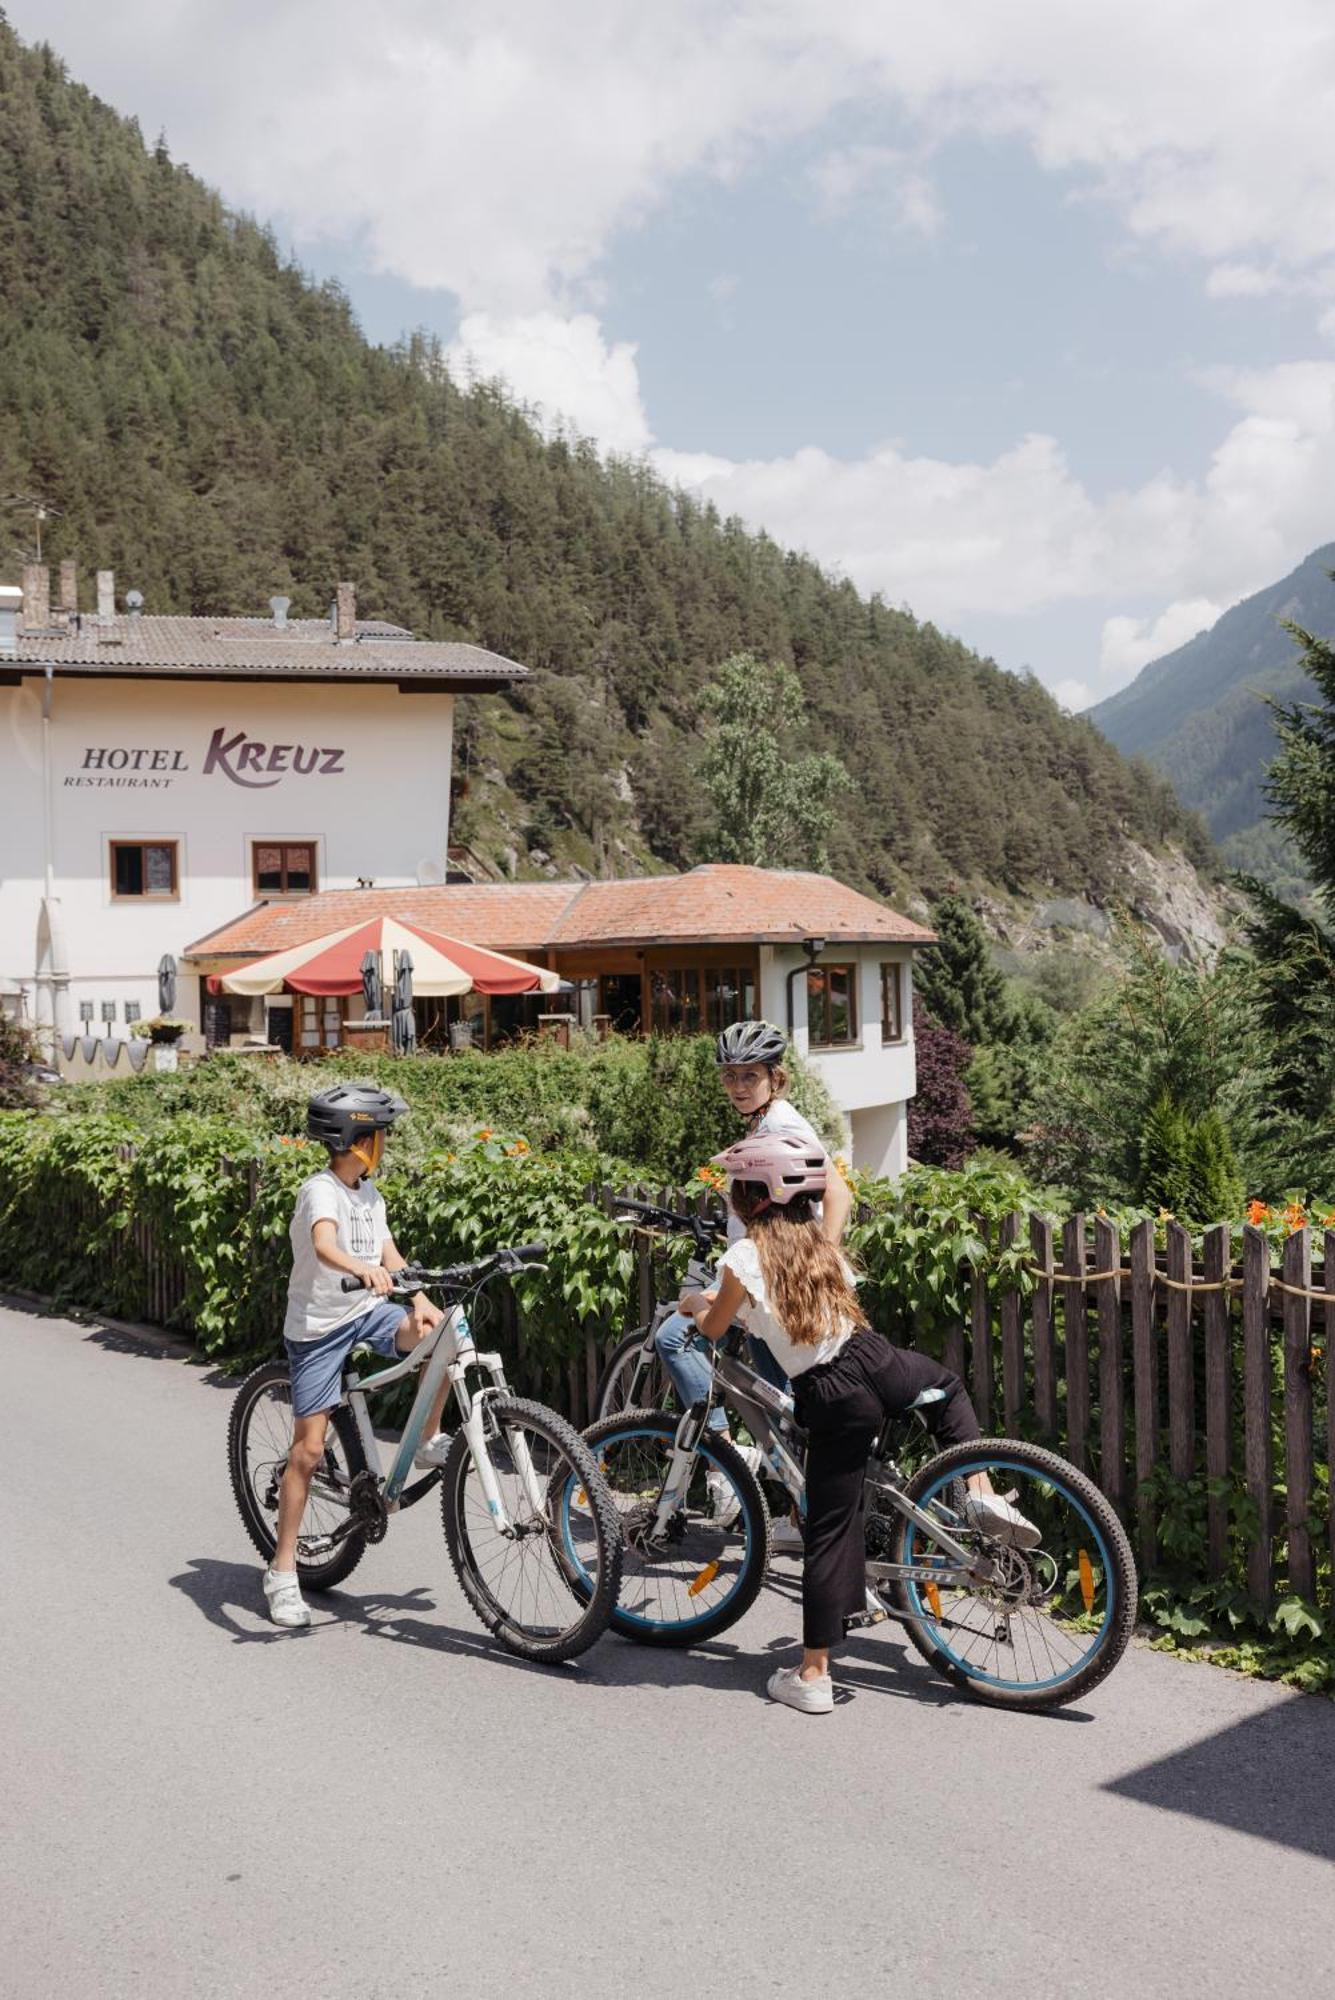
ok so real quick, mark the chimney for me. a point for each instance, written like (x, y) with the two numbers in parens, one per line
(69, 591)
(106, 596)
(36, 597)
(278, 606)
(11, 599)
(345, 614)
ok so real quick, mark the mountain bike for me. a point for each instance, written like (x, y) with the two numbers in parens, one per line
(1023, 1628)
(545, 1596)
(634, 1377)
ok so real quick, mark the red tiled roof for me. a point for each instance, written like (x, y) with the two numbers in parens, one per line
(716, 904)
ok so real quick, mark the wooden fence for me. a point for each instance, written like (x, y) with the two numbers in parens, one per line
(1135, 1362)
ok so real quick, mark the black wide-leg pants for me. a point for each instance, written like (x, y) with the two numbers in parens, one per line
(841, 1405)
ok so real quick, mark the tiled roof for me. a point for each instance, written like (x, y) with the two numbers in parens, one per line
(257, 649)
(710, 905)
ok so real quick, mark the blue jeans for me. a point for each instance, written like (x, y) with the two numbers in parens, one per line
(682, 1351)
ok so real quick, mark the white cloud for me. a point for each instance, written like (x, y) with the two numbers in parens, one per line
(565, 366)
(1241, 281)
(1020, 532)
(1129, 643)
(496, 148)
(1072, 695)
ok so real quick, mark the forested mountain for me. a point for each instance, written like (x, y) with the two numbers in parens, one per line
(214, 427)
(1199, 714)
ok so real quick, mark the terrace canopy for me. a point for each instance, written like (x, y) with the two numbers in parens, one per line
(332, 964)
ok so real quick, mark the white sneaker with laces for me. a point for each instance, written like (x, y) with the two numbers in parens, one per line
(993, 1515)
(283, 1592)
(432, 1451)
(724, 1500)
(785, 1537)
(813, 1697)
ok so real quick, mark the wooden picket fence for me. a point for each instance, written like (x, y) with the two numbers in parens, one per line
(1133, 1361)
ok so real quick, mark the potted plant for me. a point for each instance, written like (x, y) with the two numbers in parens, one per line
(163, 1031)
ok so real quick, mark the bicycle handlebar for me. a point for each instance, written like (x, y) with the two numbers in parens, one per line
(704, 1228)
(456, 1277)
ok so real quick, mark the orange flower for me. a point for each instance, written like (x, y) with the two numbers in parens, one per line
(520, 1146)
(1328, 1221)
(485, 1133)
(1295, 1217)
(1257, 1213)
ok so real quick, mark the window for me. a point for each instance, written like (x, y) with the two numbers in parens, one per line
(144, 868)
(319, 1022)
(832, 1012)
(283, 867)
(729, 997)
(675, 1000)
(892, 1003)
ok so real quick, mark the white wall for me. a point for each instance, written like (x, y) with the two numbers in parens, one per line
(375, 804)
(871, 1082)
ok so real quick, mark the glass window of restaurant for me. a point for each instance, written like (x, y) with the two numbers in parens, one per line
(832, 1015)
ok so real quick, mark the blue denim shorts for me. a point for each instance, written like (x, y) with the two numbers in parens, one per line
(317, 1365)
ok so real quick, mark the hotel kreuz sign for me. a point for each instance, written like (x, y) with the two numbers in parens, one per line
(246, 760)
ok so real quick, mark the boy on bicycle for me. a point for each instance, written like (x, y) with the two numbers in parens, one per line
(339, 1229)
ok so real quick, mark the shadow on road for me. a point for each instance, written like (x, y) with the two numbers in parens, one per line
(229, 1597)
(1268, 1775)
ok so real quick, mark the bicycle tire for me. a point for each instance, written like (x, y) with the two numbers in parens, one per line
(1120, 1620)
(259, 1515)
(754, 1519)
(613, 1389)
(593, 1604)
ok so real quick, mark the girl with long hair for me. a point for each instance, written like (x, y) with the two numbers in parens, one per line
(790, 1286)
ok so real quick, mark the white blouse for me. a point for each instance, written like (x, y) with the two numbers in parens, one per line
(794, 1357)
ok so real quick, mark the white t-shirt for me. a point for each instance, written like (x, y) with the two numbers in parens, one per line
(794, 1357)
(781, 1117)
(316, 1301)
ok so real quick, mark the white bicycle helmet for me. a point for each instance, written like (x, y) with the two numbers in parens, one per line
(750, 1042)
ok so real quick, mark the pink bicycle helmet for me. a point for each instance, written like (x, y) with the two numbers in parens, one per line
(782, 1162)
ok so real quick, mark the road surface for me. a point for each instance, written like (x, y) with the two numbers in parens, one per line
(193, 1803)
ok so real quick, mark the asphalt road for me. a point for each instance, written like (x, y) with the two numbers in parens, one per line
(194, 1804)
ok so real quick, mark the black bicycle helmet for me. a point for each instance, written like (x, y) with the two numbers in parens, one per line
(346, 1112)
(750, 1042)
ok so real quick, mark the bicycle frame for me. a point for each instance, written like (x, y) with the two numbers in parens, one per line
(447, 1352)
(764, 1409)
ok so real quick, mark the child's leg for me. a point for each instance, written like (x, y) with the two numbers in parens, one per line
(412, 1331)
(308, 1436)
(834, 1573)
(679, 1348)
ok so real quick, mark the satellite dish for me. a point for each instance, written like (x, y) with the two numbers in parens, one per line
(430, 874)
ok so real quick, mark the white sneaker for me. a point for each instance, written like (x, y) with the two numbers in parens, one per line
(286, 1606)
(814, 1697)
(724, 1500)
(785, 1537)
(993, 1515)
(432, 1452)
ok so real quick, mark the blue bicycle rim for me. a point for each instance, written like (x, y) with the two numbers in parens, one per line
(924, 1611)
(620, 1612)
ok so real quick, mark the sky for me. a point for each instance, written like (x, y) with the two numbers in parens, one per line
(1023, 316)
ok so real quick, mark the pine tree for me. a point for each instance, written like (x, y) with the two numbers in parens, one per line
(1165, 1156)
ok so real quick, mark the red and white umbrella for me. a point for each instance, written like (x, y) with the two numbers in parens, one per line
(441, 965)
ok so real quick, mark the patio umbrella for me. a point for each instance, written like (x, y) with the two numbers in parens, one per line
(166, 983)
(372, 984)
(442, 965)
(403, 1022)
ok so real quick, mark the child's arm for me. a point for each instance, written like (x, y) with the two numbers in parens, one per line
(393, 1259)
(324, 1235)
(836, 1205)
(715, 1310)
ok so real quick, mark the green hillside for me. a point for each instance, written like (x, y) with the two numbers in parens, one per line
(1199, 714)
(215, 428)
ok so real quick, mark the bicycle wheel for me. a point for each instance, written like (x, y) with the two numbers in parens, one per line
(542, 1598)
(633, 1380)
(259, 1435)
(703, 1576)
(1056, 1618)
